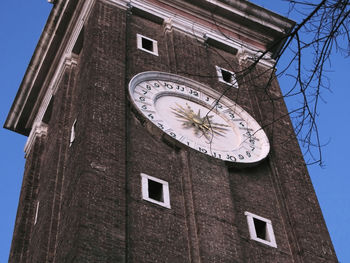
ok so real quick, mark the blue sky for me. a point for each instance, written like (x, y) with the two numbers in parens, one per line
(21, 23)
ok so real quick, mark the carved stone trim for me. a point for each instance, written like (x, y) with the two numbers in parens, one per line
(194, 28)
(38, 130)
(68, 59)
(246, 55)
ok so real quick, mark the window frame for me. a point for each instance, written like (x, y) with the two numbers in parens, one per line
(165, 188)
(233, 83)
(269, 229)
(154, 44)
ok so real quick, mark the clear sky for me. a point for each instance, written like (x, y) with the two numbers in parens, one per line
(21, 23)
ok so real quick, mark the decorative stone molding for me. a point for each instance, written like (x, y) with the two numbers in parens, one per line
(198, 30)
(68, 59)
(168, 25)
(122, 4)
(265, 61)
(38, 130)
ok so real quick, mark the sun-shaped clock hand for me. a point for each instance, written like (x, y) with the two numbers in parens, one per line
(202, 126)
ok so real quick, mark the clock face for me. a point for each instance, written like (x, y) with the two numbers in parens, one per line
(199, 117)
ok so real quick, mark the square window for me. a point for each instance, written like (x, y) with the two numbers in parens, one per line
(226, 76)
(147, 44)
(155, 190)
(260, 229)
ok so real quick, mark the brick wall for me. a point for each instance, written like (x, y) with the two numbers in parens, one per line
(24, 224)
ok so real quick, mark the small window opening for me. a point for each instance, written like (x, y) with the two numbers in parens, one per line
(260, 229)
(155, 190)
(226, 76)
(147, 44)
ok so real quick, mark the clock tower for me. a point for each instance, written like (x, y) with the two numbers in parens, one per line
(157, 133)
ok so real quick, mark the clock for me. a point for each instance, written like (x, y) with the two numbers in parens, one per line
(198, 117)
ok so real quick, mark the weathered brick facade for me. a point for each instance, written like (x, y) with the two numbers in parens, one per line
(91, 208)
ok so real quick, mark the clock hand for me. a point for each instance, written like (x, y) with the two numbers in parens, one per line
(204, 124)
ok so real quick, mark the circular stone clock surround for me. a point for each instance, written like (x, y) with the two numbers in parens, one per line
(198, 117)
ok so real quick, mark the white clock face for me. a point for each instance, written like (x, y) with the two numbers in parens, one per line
(199, 117)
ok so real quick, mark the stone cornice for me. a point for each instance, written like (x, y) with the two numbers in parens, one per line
(14, 119)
